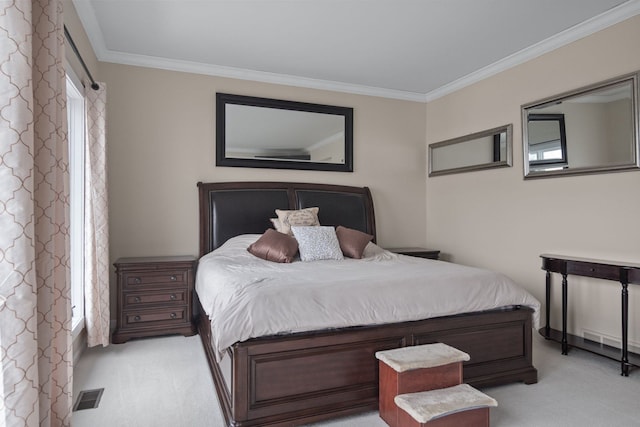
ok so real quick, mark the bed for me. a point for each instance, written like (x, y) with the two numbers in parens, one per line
(299, 377)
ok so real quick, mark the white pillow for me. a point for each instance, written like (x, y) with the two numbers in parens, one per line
(317, 243)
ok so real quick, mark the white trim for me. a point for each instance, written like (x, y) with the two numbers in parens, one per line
(611, 17)
(77, 327)
(87, 15)
(79, 344)
(258, 76)
(76, 134)
(68, 69)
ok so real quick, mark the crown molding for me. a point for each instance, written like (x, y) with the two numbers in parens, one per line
(597, 23)
(611, 17)
(259, 76)
(87, 15)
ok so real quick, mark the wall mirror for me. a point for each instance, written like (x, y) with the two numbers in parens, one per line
(273, 133)
(588, 130)
(481, 150)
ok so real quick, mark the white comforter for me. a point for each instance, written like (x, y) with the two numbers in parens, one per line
(247, 297)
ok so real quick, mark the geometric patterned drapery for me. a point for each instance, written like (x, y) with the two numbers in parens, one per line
(96, 221)
(35, 314)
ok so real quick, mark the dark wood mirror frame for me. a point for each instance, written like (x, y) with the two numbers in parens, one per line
(223, 99)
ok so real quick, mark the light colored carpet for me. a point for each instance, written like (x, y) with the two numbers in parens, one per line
(161, 382)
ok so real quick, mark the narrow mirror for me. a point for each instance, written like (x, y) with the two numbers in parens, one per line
(482, 150)
(592, 129)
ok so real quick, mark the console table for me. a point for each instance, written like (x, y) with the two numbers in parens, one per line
(625, 273)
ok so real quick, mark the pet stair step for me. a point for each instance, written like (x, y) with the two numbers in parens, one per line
(460, 405)
(413, 369)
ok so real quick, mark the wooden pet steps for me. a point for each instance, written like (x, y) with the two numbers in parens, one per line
(460, 405)
(422, 386)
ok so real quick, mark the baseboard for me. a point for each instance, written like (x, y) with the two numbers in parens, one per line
(79, 345)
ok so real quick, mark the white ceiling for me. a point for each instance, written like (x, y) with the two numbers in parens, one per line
(406, 49)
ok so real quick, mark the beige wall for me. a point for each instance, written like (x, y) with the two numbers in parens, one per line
(161, 142)
(495, 219)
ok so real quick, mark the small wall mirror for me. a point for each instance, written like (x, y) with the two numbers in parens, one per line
(482, 150)
(592, 129)
(273, 133)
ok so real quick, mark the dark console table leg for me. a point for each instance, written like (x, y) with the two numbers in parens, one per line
(547, 328)
(624, 368)
(627, 274)
(565, 346)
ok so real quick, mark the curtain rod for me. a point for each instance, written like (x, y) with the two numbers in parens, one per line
(94, 85)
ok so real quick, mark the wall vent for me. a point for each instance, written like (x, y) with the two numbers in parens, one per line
(88, 399)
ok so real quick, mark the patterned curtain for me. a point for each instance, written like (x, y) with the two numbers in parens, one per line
(35, 320)
(96, 239)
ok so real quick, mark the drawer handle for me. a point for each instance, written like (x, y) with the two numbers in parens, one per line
(137, 280)
(172, 297)
(173, 315)
(137, 318)
(137, 299)
(174, 278)
(592, 269)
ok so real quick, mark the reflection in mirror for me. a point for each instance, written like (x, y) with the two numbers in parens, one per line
(271, 133)
(481, 150)
(593, 129)
(547, 142)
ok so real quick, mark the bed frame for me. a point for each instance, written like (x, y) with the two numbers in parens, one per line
(293, 379)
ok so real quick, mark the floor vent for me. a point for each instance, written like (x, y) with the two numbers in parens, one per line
(88, 399)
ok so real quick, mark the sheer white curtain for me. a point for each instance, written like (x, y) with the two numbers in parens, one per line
(35, 320)
(96, 239)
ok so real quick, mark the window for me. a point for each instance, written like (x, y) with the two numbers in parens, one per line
(547, 142)
(76, 119)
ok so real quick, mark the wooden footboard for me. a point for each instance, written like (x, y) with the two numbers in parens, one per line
(301, 378)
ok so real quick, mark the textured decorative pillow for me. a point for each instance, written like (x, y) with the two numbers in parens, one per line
(316, 243)
(300, 217)
(352, 242)
(276, 224)
(274, 246)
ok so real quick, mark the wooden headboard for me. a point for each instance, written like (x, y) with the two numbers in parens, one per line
(228, 209)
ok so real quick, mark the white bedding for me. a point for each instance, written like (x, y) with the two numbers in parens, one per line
(247, 297)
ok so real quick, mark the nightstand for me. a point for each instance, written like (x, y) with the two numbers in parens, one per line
(417, 252)
(154, 297)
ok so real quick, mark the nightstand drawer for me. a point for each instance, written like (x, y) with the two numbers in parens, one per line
(139, 318)
(154, 297)
(174, 296)
(155, 278)
(417, 252)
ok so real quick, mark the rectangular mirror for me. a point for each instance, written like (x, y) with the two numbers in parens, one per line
(272, 133)
(481, 150)
(588, 130)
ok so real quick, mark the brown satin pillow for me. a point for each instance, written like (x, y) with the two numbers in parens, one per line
(274, 246)
(352, 242)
